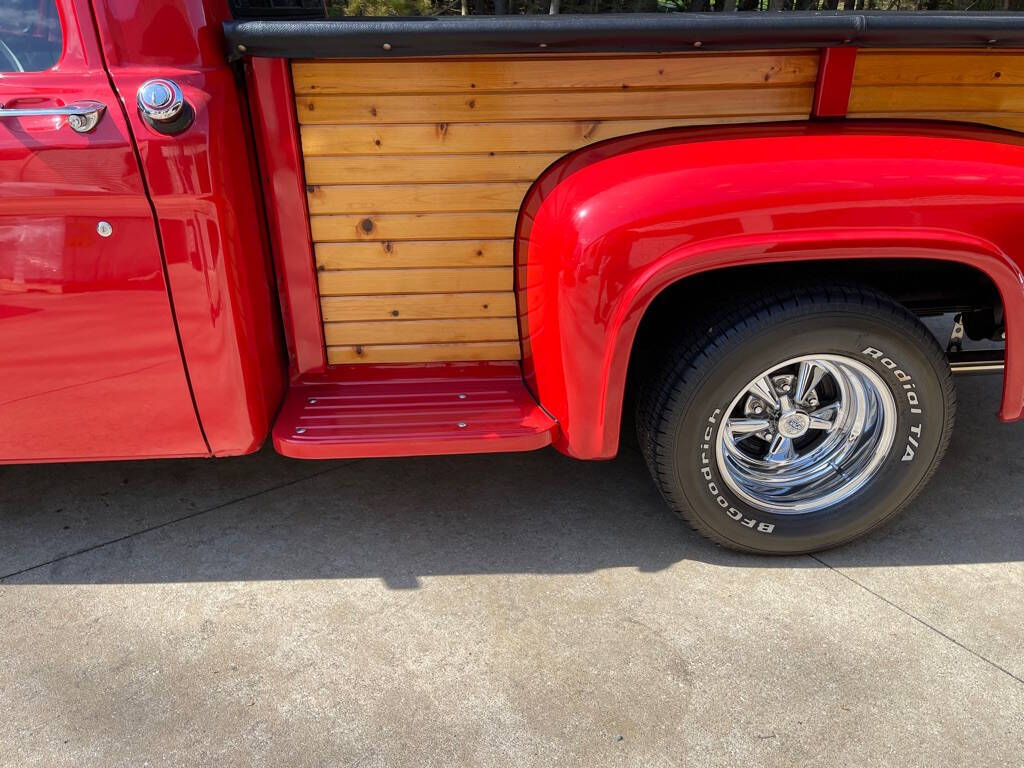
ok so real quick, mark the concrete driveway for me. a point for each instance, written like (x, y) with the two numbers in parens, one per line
(518, 610)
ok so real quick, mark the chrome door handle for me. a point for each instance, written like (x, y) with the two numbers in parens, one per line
(82, 116)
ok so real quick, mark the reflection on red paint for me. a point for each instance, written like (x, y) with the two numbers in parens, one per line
(89, 362)
(206, 192)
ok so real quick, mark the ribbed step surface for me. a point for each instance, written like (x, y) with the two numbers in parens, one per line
(366, 411)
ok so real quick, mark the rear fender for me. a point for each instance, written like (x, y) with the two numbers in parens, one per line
(605, 230)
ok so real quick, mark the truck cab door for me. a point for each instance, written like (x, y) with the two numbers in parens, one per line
(90, 361)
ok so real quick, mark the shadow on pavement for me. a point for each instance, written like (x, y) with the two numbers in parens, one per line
(401, 520)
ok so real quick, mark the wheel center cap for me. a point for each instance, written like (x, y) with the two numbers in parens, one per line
(794, 424)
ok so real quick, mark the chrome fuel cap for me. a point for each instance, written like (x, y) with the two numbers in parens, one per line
(163, 106)
(160, 100)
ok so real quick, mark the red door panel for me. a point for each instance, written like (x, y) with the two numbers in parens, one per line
(205, 188)
(90, 365)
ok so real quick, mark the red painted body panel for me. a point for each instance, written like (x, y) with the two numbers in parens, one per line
(605, 230)
(411, 410)
(277, 136)
(205, 188)
(96, 357)
(90, 366)
(835, 81)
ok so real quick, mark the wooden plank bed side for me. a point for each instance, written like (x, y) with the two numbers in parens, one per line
(422, 331)
(985, 87)
(556, 105)
(418, 306)
(428, 169)
(411, 226)
(875, 67)
(476, 141)
(370, 282)
(416, 170)
(478, 75)
(423, 353)
(416, 198)
(414, 253)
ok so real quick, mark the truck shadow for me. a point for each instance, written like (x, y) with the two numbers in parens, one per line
(400, 520)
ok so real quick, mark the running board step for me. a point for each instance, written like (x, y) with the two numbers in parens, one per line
(977, 361)
(409, 410)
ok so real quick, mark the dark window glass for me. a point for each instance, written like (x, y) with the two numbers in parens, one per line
(30, 36)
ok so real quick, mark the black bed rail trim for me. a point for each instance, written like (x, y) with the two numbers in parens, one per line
(628, 32)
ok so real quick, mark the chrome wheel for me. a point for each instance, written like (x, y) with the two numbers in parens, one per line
(806, 434)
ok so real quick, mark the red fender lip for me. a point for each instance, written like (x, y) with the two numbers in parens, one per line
(607, 228)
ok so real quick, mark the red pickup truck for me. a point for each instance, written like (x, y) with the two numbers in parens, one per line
(387, 237)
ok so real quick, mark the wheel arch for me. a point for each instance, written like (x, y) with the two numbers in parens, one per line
(597, 244)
